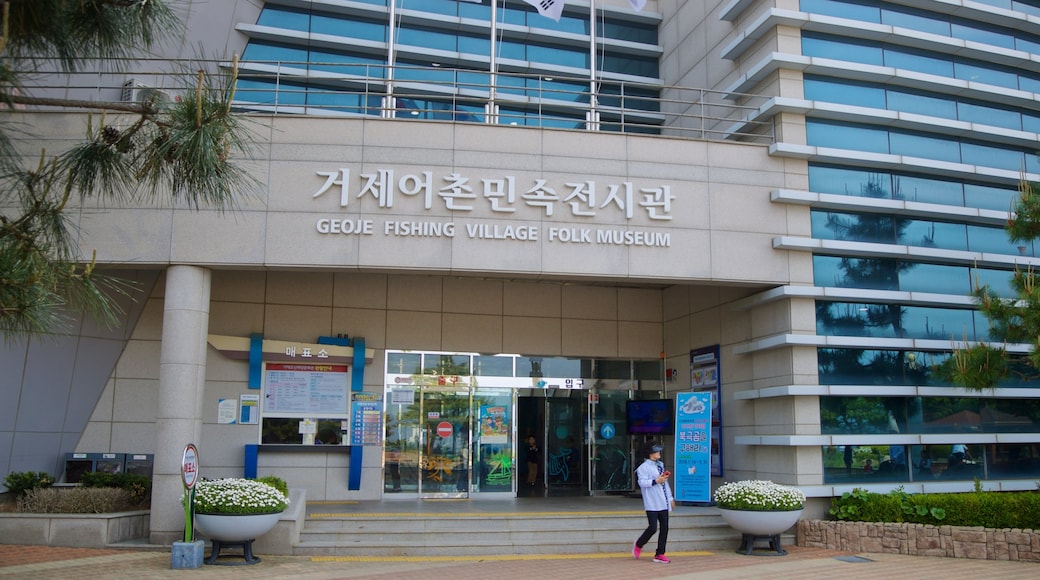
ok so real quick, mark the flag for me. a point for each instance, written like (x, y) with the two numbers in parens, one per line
(549, 8)
(637, 5)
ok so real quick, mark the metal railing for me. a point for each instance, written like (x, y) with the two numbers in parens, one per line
(441, 94)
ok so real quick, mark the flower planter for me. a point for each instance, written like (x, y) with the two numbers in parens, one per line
(228, 530)
(235, 527)
(760, 525)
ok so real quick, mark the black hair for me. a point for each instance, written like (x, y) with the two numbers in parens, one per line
(648, 448)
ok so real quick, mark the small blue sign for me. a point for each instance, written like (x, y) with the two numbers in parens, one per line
(607, 430)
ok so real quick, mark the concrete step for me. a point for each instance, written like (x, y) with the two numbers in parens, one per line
(504, 534)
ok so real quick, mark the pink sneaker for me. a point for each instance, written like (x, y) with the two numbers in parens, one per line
(636, 550)
(662, 559)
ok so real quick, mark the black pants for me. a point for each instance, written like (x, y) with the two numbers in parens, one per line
(655, 519)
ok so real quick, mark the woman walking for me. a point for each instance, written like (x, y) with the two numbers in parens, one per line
(658, 501)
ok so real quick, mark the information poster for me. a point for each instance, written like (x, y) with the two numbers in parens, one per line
(226, 411)
(303, 389)
(367, 417)
(693, 447)
(249, 407)
(494, 424)
(704, 377)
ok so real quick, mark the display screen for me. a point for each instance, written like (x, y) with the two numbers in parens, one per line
(650, 416)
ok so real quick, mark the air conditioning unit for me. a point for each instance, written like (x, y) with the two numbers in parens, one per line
(134, 91)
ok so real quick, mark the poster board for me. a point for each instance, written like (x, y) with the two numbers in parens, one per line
(693, 447)
(306, 390)
(705, 378)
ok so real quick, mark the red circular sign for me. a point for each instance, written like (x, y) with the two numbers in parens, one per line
(444, 429)
(190, 465)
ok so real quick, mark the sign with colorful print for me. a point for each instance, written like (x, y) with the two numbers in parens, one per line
(494, 424)
(693, 447)
(704, 377)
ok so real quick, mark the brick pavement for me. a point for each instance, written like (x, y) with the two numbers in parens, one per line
(39, 562)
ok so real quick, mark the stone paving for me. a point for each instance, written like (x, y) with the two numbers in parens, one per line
(41, 562)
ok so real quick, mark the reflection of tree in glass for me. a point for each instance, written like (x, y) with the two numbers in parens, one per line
(855, 414)
(872, 273)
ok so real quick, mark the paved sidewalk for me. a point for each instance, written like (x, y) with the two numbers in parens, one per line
(41, 562)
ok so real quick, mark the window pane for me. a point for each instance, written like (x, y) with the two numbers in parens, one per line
(986, 75)
(989, 197)
(841, 49)
(493, 366)
(989, 156)
(918, 145)
(983, 239)
(613, 369)
(923, 189)
(865, 11)
(866, 464)
(853, 227)
(931, 234)
(826, 271)
(977, 32)
(915, 20)
(375, 30)
(922, 104)
(426, 37)
(937, 323)
(935, 278)
(404, 363)
(989, 115)
(261, 52)
(870, 273)
(998, 280)
(918, 61)
(284, 18)
(842, 136)
(831, 91)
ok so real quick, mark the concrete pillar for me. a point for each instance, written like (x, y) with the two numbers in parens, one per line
(182, 382)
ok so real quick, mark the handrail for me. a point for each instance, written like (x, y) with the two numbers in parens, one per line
(559, 101)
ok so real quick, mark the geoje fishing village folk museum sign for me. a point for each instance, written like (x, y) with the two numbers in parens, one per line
(579, 200)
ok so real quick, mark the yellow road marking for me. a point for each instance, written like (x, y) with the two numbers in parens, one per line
(500, 557)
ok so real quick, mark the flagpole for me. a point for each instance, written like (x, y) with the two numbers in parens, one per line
(388, 100)
(592, 123)
(491, 109)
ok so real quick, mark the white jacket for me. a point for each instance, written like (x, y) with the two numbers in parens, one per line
(656, 497)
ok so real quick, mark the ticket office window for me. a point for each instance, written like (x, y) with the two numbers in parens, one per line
(305, 404)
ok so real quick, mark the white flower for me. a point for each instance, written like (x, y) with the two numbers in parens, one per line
(238, 496)
(759, 495)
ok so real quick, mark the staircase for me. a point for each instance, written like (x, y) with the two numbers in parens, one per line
(465, 529)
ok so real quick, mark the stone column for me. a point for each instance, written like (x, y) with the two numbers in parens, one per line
(182, 382)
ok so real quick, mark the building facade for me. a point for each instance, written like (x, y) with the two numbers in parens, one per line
(497, 218)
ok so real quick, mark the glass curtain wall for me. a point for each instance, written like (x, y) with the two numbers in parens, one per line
(994, 108)
(432, 59)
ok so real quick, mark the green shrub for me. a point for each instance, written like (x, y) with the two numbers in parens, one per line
(989, 509)
(76, 500)
(138, 486)
(275, 482)
(20, 482)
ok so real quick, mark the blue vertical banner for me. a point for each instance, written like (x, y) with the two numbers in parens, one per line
(692, 479)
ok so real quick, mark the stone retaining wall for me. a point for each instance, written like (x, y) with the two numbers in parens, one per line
(921, 540)
(73, 530)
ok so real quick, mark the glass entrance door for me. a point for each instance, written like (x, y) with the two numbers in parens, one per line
(495, 459)
(611, 459)
(444, 452)
(566, 455)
